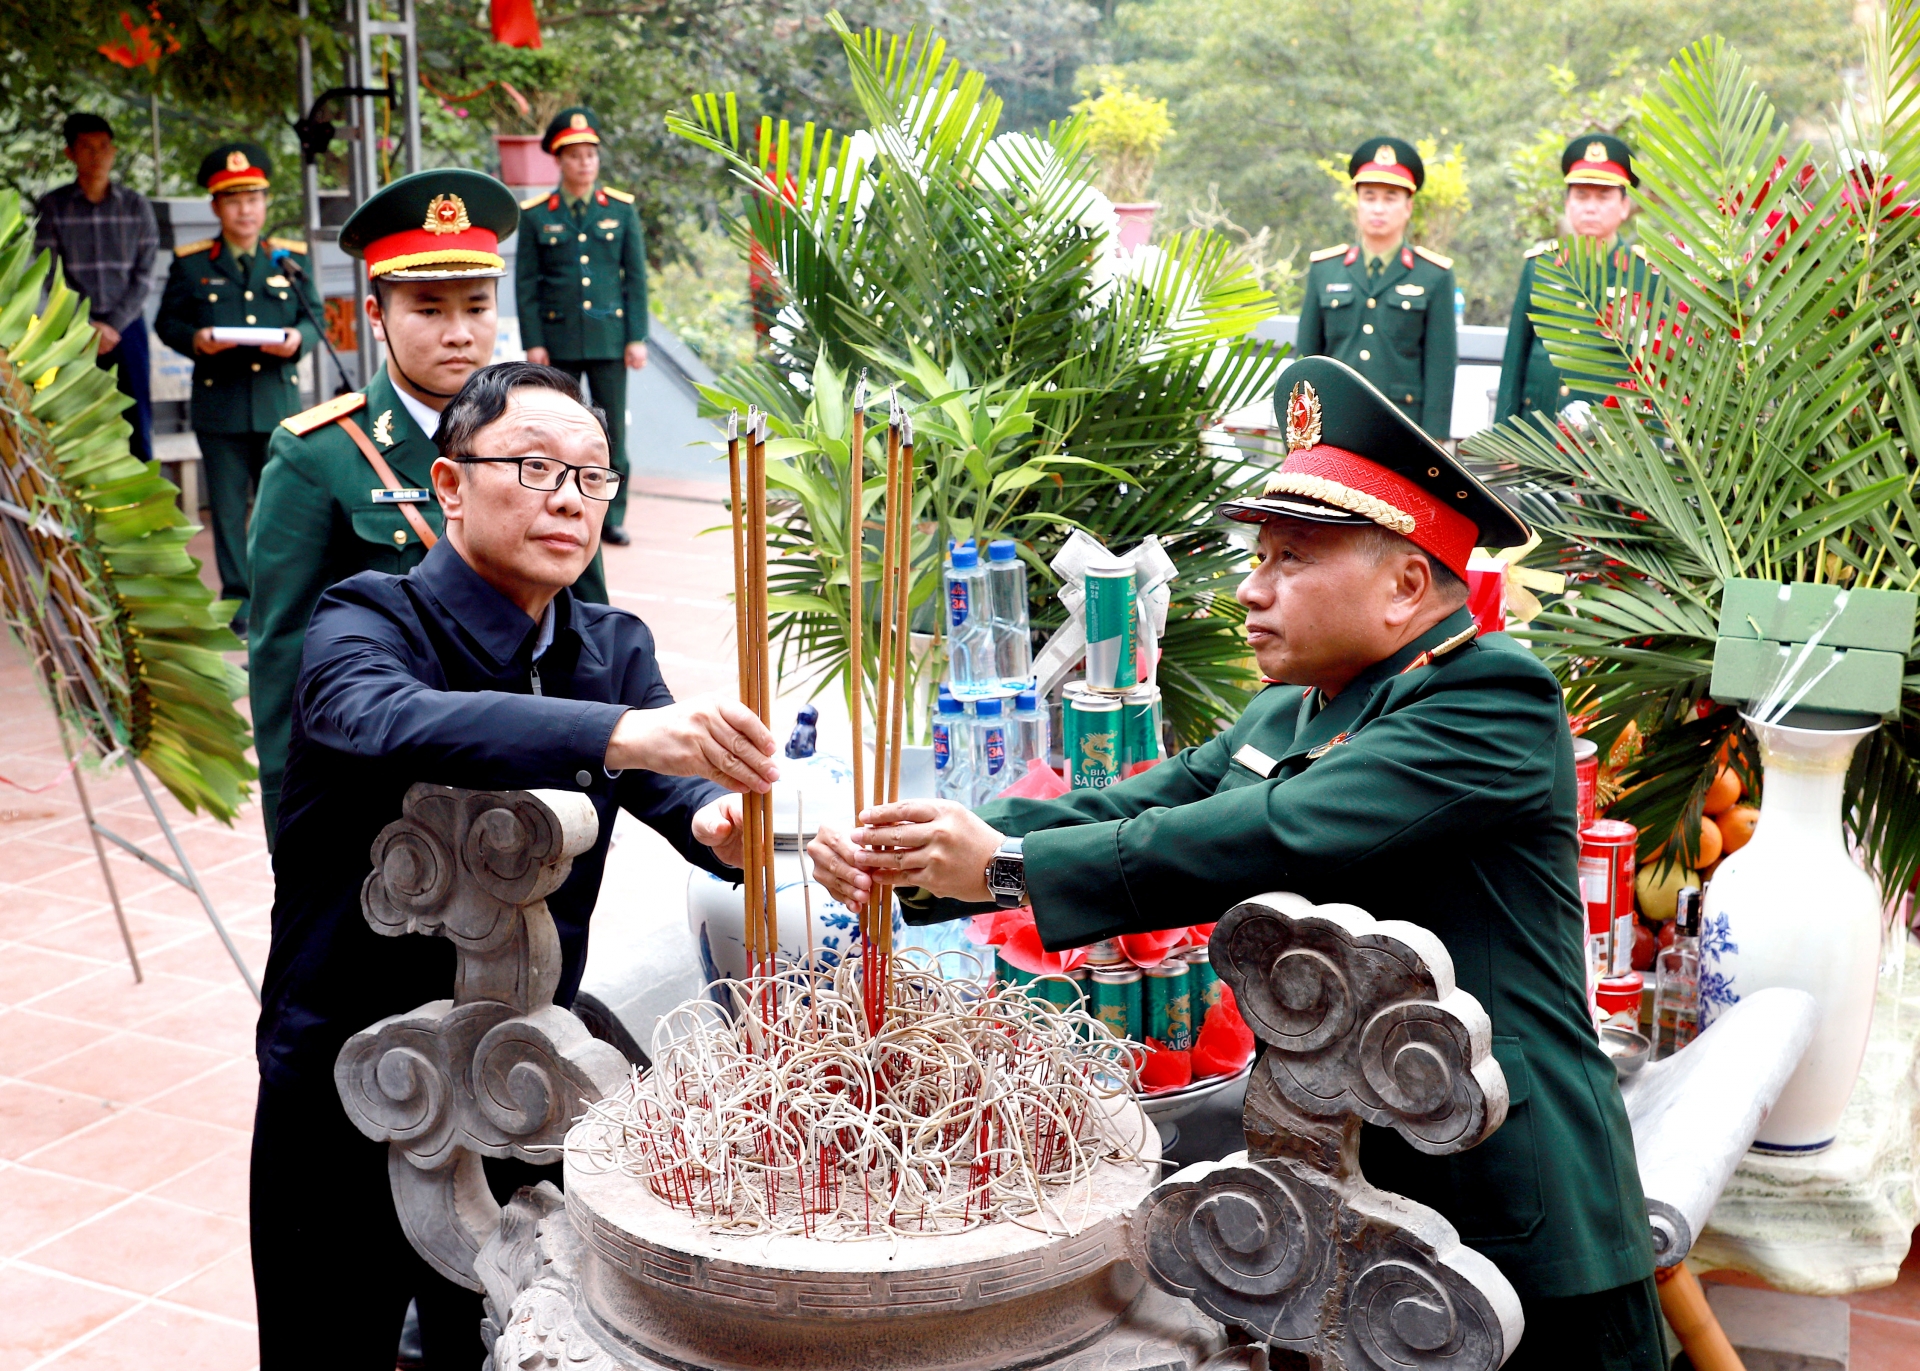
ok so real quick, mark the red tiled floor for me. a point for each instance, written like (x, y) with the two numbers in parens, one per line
(135, 1147)
(47, 1311)
(29, 1039)
(32, 1116)
(144, 1245)
(225, 1288)
(127, 1067)
(161, 1337)
(39, 1204)
(217, 1185)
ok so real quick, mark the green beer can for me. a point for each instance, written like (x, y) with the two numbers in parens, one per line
(1140, 726)
(1113, 659)
(1064, 988)
(1203, 983)
(1092, 728)
(1169, 1005)
(1116, 1001)
(1006, 973)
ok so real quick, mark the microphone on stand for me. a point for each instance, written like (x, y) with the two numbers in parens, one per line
(284, 260)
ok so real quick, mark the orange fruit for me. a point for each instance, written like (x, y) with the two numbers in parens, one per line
(1736, 826)
(1711, 843)
(1723, 794)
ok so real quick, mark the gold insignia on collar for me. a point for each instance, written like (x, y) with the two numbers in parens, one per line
(1383, 156)
(1596, 152)
(1303, 417)
(579, 121)
(447, 214)
(383, 428)
(1315, 754)
(237, 160)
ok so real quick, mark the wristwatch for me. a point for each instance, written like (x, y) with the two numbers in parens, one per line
(1007, 875)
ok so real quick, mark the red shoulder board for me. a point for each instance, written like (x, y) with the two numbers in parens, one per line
(1353, 255)
(553, 201)
(1406, 258)
(214, 251)
(600, 197)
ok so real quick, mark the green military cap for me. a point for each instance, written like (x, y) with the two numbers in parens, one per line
(576, 124)
(236, 166)
(443, 225)
(1353, 458)
(1598, 159)
(1387, 162)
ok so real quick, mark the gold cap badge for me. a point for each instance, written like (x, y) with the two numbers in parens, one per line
(579, 121)
(1384, 156)
(1596, 152)
(1303, 418)
(447, 214)
(237, 160)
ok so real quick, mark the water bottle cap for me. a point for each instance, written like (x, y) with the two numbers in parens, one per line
(945, 689)
(1027, 699)
(1003, 550)
(948, 705)
(989, 708)
(966, 557)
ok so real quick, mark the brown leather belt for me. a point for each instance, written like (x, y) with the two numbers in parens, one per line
(391, 482)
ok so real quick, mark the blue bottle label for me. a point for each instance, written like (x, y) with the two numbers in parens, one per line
(957, 601)
(942, 748)
(996, 750)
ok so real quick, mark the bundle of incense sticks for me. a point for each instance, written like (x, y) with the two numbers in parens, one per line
(756, 680)
(890, 688)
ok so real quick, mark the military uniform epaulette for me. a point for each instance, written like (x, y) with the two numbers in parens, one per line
(188, 249)
(622, 196)
(1541, 249)
(288, 244)
(323, 413)
(1440, 260)
(533, 201)
(1336, 250)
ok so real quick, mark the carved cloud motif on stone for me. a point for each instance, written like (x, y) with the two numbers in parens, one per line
(498, 1070)
(1362, 1022)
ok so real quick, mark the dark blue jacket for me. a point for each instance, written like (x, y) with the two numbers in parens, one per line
(429, 677)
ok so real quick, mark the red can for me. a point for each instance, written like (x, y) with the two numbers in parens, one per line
(1586, 777)
(1606, 884)
(1621, 994)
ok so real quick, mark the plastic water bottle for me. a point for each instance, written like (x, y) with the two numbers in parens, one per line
(1012, 639)
(1027, 731)
(992, 772)
(952, 751)
(970, 661)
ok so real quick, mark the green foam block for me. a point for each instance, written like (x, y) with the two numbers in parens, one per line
(1793, 611)
(1860, 681)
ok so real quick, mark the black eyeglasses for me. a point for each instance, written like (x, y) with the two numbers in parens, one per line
(544, 473)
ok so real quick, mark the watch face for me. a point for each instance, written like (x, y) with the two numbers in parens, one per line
(1007, 873)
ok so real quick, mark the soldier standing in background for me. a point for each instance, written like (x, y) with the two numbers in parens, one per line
(581, 281)
(1598, 170)
(1373, 304)
(240, 391)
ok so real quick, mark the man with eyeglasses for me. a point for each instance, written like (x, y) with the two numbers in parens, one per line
(345, 488)
(480, 668)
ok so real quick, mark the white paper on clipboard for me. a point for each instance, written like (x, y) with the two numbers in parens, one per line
(248, 337)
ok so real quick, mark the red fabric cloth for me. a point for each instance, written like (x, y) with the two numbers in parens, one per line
(1445, 532)
(1150, 949)
(1165, 1069)
(515, 23)
(1041, 782)
(1224, 1043)
(1487, 597)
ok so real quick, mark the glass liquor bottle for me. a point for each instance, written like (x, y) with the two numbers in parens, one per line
(1676, 986)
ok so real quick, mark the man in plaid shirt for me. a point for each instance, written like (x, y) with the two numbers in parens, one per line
(105, 237)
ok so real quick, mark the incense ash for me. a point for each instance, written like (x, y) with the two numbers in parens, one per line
(973, 1104)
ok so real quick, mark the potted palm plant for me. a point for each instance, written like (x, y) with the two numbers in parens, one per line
(1758, 427)
(1055, 383)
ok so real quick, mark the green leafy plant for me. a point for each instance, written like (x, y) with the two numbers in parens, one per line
(1125, 132)
(1056, 383)
(95, 579)
(1760, 423)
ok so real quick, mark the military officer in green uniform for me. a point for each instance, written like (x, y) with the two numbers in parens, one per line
(1382, 305)
(1401, 762)
(581, 281)
(346, 488)
(1598, 170)
(240, 390)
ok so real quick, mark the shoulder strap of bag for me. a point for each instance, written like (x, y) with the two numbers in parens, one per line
(387, 479)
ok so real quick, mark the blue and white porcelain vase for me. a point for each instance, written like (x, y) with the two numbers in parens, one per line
(1793, 908)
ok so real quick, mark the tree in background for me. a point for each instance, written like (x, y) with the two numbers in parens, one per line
(1262, 90)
